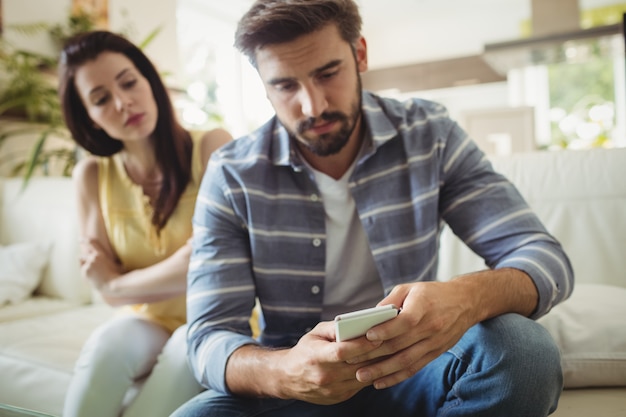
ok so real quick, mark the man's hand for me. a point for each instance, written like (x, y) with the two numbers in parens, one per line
(315, 370)
(433, 319)
(435, 315)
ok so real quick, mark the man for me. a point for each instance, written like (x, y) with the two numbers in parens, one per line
(335, 205)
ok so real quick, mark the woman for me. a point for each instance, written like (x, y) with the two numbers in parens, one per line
(136, 196)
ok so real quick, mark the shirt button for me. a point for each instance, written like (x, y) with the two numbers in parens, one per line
(314, 197)
(315, 289)
(317, 242)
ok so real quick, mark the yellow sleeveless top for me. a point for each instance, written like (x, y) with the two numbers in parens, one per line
(127, 217)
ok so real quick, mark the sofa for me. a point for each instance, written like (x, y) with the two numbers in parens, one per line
(47, 310)
(47, 316)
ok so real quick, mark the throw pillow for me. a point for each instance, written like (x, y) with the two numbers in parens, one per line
(21, 269)
(590, 330)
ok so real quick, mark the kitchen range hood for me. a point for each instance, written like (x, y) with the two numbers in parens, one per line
(557, 38)
(548, 49)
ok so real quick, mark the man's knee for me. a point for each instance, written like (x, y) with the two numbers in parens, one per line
(530, 359)
(516, 345)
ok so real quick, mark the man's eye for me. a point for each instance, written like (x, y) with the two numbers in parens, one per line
(286, 87)
(327, 75)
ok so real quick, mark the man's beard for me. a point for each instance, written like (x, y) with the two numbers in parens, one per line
(330, 143)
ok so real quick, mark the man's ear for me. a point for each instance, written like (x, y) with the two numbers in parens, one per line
(361, 54)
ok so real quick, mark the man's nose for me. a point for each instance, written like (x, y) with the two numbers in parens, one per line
(313, 101)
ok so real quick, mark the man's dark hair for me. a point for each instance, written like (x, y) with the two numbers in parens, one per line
(277, 21)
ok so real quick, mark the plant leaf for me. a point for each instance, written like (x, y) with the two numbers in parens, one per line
(34, 159)
(148, 39)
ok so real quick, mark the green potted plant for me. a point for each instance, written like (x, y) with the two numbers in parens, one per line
(29, 104)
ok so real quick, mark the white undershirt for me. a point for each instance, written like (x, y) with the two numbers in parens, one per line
(352, 280)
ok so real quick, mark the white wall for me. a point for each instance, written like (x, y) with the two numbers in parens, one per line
(398, 31)
(401, 32)
(22, 12)
(137, 17)
(144, 16)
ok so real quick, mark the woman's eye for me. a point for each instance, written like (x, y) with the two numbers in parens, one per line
(129, 84)
(99, 101)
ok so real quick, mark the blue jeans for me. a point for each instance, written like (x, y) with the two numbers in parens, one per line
(508, 366)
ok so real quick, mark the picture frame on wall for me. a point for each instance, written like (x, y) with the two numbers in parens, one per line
(98, 9)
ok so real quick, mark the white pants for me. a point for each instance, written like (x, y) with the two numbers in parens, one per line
(131, 367)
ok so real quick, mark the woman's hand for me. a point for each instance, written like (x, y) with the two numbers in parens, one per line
(96, 266)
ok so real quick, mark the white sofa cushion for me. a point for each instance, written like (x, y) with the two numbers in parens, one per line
(590, 330)
(45, 209)
(585, 402)
(37, 355)
(21, 268)
(36, 306)
(580, 196)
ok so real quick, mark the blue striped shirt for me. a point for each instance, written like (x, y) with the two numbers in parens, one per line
(259, 226)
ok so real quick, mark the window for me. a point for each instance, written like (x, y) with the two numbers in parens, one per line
(586, 95)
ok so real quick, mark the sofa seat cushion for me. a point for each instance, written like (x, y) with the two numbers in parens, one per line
(43, 349)
(53, 339)
(590, 332)
(601, 402)
(34, 307)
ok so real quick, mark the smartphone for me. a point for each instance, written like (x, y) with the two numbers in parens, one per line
(357, 323)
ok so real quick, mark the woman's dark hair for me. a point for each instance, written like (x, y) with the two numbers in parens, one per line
(277, 21)
(172, 143)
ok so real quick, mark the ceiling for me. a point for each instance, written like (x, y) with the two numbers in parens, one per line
(402, 32)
